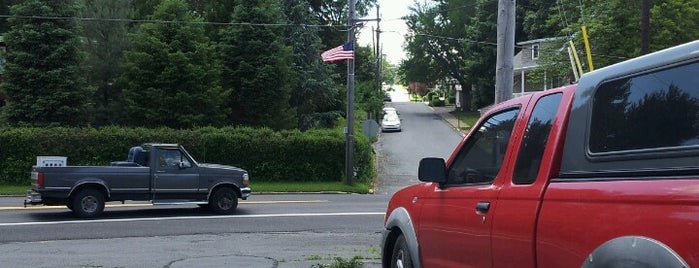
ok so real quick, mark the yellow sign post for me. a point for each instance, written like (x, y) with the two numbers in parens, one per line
(587, 49)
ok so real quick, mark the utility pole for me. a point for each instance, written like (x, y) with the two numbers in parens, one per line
(349, 148)
(645, 27)
(378, 50)
(505, 50)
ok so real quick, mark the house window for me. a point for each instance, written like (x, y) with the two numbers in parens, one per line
(535, 52)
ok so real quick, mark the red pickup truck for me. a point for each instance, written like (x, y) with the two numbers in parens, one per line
(604, 173)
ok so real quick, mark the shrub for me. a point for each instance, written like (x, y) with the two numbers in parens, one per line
(436, 102)
(316, 155)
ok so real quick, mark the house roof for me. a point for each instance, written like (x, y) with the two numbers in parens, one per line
(541, 40)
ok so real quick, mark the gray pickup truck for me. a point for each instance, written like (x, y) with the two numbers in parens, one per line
(160, 173)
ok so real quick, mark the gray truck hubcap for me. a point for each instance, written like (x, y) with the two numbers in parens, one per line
(89, 204)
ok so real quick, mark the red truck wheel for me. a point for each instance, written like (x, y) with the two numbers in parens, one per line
(224, 201)
(88, 203)
(401, 255)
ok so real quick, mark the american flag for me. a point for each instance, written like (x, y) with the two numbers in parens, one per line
(343, 52)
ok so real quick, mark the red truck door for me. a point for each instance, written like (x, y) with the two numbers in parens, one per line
(519, 200)
(455, 225)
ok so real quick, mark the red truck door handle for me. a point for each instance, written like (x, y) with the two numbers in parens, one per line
(482, 206)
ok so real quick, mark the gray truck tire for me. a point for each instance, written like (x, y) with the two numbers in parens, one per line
(400, 258)
(224, 201)
(88, 203)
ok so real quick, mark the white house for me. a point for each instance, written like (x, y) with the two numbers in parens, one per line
(526, 61)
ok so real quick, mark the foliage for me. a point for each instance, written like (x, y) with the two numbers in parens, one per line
(457, 38)
(340, 262)
(368, 96)
(164, 69)
(5, 9)
(314, 95)
(259, 81)
(667, 27)
(318, 154)
(104, 44)
(436, 52)
(171, 76)
(43, 76)
(336, 12)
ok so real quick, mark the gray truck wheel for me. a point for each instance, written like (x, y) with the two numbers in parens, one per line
(224, 201)
(88, 203)
(401, 255)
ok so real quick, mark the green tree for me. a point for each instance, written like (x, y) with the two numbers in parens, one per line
(215, 12)
(44, 80)
(5, 9)
(444, 44)
(336, 12)
(614, 26)
(104, 43)
(420, 65)
(144, 9)
(171, 76)
(256, 66)
(481, 55)
(367, 96)
(674, 22)
(314, 94)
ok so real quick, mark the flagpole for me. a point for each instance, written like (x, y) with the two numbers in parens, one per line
(349, 148)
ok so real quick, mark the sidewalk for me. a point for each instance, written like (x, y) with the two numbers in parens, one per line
(445, 113)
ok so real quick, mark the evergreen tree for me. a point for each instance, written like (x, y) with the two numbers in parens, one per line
(44, 80)
(336, 12)
(5, 9)
(171, 77)
(104, 43)
(314, 95)
(481, 56)
(256, 66)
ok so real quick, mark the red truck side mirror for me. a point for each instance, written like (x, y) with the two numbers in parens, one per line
(432, 169)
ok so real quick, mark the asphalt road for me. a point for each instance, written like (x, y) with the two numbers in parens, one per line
(424, 134)
(298, 230)
(269, 231)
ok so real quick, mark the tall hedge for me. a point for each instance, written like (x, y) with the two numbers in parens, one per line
(279, 156)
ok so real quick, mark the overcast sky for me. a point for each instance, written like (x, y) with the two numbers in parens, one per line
(393, 29)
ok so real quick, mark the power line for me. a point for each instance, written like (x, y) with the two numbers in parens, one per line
(88, 19)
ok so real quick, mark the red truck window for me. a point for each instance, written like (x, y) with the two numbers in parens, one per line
(535, 137)
(481, 157)
(653, 110)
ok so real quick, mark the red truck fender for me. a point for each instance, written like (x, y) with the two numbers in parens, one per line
(399, 222)
(633, 251)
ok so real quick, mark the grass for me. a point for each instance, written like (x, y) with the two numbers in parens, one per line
(257, 187)
(468, 118)
(14, 189)
(340, 262)
(287, 187)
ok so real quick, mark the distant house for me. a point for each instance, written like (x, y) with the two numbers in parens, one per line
(526, 61)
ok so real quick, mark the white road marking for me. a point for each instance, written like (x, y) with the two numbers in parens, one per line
(150, 205)
(193, 218)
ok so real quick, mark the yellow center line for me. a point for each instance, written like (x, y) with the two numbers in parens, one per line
(150, 205)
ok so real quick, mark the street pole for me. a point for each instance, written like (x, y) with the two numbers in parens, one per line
(505, 50)
(378, 50)
(349, 150)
